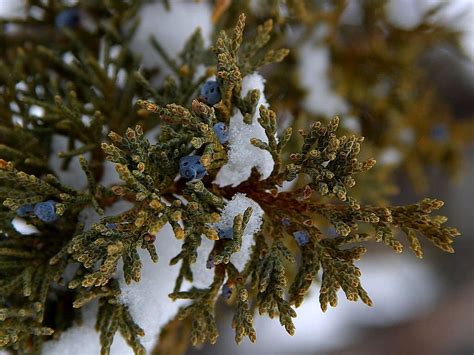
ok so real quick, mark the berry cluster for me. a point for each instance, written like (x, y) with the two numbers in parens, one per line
(45, 211)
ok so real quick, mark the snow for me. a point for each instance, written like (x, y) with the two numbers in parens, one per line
(352, 14)
(287, 186)
(243, 156)
(202, 276)
(148, 300)
(314, 64)
(239, 203)
(11, 8)
(36, 111)
(151, 313)
(76, 340)
(21, 226)
(351, 123)
(407, 135)
(407, 14)
(84, 339)
(171, 28)
(389, 156)
(234, 207)
(458, 14)
(74, 176)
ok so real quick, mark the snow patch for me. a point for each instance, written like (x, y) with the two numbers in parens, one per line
(352, 124)
(74, 176)
(202, 276)
(84, 339)
(239, 203)
(21, 226)
(148, 300)
(459, 15)
(234, 207)
(314, 64)
(243, 156)
(390, 156)
(12, 8)
(407, 135)
(172, 28)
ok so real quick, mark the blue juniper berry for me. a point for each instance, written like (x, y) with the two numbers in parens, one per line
(439, 132)
(227, 233)
(286, 221)
(210, 262)
(111, 225)
(191, 168)
(46, 211)
(210, 92)
(25, 211)
(68, 18)
(301, 237)
(222, 132)
(226, 291)
(200, 171)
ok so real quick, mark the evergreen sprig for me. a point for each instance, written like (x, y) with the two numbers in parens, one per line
(82, 98)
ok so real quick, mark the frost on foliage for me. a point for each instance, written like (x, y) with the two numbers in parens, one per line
(148, 300)
(171, 28)
(243, 156)
(202, 276)
(314, 75)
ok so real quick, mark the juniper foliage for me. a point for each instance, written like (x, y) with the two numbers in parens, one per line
(34, 283)
(378, 69)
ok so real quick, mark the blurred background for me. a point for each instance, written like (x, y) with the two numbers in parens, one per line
(420, 306)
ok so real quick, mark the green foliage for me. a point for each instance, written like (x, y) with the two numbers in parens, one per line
(279, 273)
(378, 69)
(271, 283)
(112, 317)
(243, 318)
(201, 311)
(234, 61)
